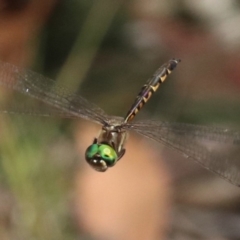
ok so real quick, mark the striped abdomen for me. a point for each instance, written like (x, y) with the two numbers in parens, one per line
(150, 87)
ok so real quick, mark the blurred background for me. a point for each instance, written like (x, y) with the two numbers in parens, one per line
(107, 49)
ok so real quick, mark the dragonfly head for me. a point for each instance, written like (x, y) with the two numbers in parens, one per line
(101, 156)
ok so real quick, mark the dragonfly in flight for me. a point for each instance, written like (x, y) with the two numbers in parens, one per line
(216, 149)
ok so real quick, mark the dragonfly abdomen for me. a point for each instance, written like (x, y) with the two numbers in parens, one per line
(150, 87)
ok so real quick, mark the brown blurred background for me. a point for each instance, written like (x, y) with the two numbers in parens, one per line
(107, 50)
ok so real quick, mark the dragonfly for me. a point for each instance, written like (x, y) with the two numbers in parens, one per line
(216, 149)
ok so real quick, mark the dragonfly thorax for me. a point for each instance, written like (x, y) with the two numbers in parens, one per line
(107, 149)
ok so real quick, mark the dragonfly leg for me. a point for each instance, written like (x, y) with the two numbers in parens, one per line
(121, 154)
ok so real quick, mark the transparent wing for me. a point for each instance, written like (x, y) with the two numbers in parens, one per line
(43, 89)
(38, 110)
(216, 149)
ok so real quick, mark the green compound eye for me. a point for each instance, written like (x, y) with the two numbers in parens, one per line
(91, 151)
(107, 153)
(100, 157)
